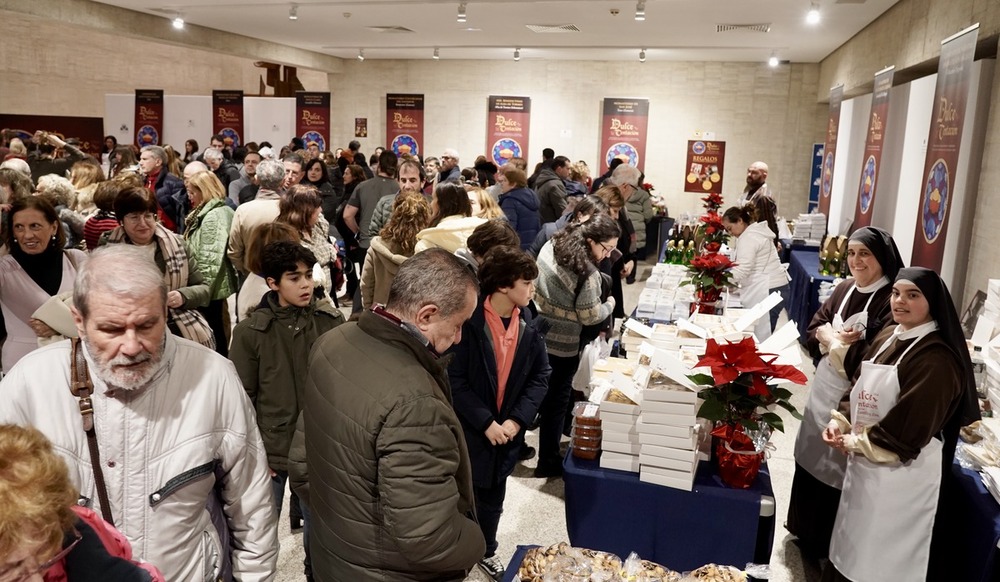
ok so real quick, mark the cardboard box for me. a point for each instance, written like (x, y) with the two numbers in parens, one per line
(621, 437)
(689, 443)
(623, 448)
(619, 427)
(669, 453)
(681, 466)
(619, 412)
(672, 479)
(619, 461)
(666, 430)
(669, 407)
(669, 419)
(678, 394)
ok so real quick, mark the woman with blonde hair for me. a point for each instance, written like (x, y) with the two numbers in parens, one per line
(206, 231)
(302, 208)
(483, 205)
(44, 533)
(395, 243)
(451, 220)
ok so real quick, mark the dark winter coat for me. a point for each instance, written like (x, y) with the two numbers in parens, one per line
(551, 195)
(473, 375)
(172, 199)
(270, 350)
(520, 205)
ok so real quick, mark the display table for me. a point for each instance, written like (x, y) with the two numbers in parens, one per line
(803, 289)
(969, 550)
(615, 512)
(787, 246)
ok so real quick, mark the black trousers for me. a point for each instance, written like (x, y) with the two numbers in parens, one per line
(552, 412)
(489, 507)
(214, 312)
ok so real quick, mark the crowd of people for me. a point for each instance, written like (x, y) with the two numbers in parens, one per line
(166, 423)
(135, 257)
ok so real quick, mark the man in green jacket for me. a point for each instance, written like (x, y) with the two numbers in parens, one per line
(270, 351)
(390, 482)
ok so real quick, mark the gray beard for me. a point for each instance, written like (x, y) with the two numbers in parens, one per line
(131, 379)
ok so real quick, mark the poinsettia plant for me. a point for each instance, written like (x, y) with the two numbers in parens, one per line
(712, 202)
(738, 391)
(711, 232)
(710, 271)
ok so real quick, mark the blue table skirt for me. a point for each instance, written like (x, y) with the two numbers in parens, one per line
(970, 551)
(803, 289)
(615, 512)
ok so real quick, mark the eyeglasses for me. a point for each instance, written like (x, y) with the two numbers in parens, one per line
(134, 218)
(607, 249)
(13, 576)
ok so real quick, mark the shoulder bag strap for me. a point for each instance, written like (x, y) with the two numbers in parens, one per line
(83, 388)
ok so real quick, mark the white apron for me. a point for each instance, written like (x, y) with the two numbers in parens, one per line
(886, 512)
(822, 461)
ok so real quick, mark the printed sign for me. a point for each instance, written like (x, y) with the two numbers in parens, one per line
(404, 123)
(623, 132)
(227, 117)
(312, 118)
(873, 148)
(705, 161)
(830, 149)
(507, 126)
(148, 117)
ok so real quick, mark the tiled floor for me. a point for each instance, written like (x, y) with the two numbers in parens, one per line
(534, 508)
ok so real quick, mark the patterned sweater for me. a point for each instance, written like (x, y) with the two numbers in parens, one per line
(567, 310)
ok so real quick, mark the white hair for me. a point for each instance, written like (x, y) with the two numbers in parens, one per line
(124, 270)
(213, 154)
(18, 165)
(58, 188)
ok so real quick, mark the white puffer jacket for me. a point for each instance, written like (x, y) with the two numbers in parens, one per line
(758, 269)
(160, 445)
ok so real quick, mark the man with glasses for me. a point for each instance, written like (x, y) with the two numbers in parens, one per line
(172, 204)
(450, 172)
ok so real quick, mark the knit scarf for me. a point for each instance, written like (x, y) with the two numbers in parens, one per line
(504, 344)
(190, 323)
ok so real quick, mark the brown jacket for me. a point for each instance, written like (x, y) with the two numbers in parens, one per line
(389, 473)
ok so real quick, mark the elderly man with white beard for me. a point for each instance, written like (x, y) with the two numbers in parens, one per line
(175, 431)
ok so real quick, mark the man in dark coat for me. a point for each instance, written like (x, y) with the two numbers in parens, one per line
(390, 481)
(551, 190)
(171, 200)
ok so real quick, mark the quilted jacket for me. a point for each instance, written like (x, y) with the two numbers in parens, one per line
(390, 482)
(206, 239)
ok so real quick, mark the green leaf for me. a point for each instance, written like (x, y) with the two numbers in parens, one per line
(788, 406)
(712, 409)
(702, 379)
(749, 424)
(781, 393)
(774, 420)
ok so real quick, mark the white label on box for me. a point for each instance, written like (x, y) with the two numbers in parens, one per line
(639, 328)
(640, 379)
(757, 311)
(599, 391)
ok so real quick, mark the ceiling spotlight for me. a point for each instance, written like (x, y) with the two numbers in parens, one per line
(437, 54)
(178, 22)
(812, 17)
(640, 10)
(293, 12)
(361, 54)
(461, 12)
(642, 55)
(773, 61)
(517, 54)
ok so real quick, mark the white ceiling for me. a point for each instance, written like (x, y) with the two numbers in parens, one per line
(674, 30)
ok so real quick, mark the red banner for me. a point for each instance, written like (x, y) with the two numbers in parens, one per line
(312, 118)
(623, 132)
(227, 117)
(830, 149)
(148, 117)
(404, 123)
(950, 98)
(705, 161)
(872, 160)
(507, 128)
(89, 130)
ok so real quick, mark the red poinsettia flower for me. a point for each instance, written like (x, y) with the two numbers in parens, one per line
(729, 360)
(712, 247)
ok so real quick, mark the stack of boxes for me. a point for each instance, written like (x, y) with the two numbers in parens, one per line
(809, 229)
(668, 437)
(621, 439)
(664, 299)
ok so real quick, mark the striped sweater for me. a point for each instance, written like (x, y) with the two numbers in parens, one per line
(559, 303)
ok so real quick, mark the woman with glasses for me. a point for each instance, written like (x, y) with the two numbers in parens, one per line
(568, 297)
(839, 335)
(758, 270)
(44, 533)
(135, 210)
(37, 269)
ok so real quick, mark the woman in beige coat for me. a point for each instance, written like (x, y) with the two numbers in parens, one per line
(395, 243)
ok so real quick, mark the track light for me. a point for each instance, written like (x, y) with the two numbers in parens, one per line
(640, 10)
(178, 22)
(813, 16)
(773, 61)
(517, 54)
(361, 54)
(437, 54)
(461, 12)
(642, 55)
(293, 12)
